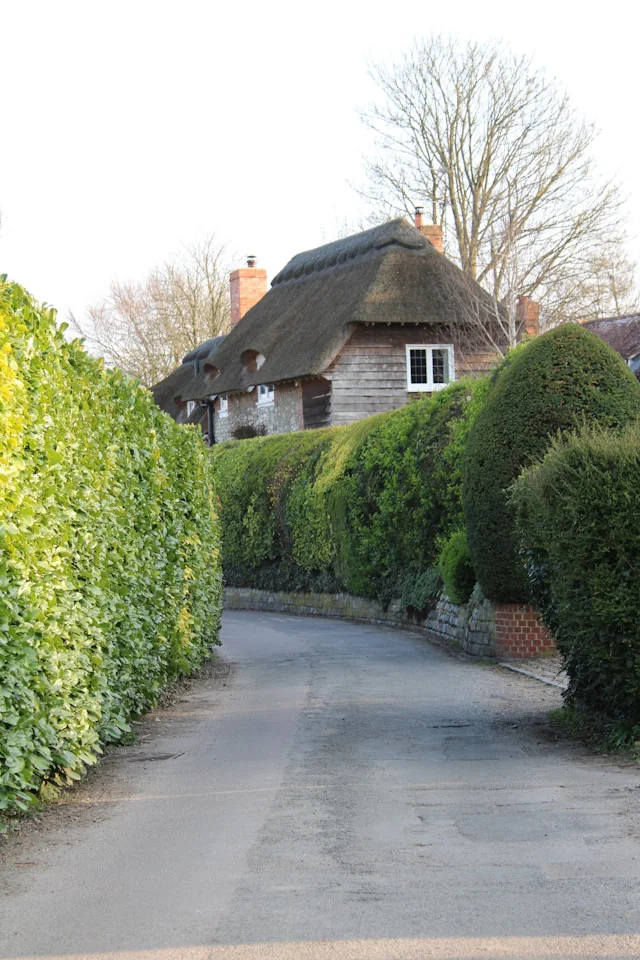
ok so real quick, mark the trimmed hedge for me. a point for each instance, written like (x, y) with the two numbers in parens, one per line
(577, 517)
(456, 568)
(110, 581)
(557, 382)
(361, 508)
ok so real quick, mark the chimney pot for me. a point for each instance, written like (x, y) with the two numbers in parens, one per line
(251, 261)
(432, 231)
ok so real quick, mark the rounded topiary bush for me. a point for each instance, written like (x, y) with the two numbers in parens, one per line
(576, 516)
(559, 381)
(456, 567)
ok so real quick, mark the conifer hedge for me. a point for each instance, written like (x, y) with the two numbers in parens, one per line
(110, 581)
(552, 384)
(364, 508)
(577, 516)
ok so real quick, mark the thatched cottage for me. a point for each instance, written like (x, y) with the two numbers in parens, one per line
(352, 328)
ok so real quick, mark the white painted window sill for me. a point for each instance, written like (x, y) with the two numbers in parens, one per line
(427, 387)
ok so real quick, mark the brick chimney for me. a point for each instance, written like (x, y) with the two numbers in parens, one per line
(433, 232)
(528, 315)
(248, 285)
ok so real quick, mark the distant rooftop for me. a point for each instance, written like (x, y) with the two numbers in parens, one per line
(621, 333)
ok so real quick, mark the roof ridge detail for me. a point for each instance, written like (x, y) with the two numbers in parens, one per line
(203, 350)
(398, 232)
(614, 319)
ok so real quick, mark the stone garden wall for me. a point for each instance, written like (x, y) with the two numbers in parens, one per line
(503, 631)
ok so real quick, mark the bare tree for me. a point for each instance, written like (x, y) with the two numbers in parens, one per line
(146, 328)
(506, 167)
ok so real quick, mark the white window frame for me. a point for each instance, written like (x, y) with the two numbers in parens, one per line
(223, 405)
(191, 405)
(429, 386)
(266, 394)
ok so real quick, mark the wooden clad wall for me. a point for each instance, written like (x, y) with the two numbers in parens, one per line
(316, 403)
(370, 374)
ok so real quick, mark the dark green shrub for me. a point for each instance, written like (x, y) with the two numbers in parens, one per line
(247, 431)
(456, 567)
(420, 591)
(557, 382)
(278, 576)
(577, 519)
(364, 505)
(110, 580)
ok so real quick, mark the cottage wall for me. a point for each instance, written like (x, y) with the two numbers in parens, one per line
(282, 416)
(370, 374)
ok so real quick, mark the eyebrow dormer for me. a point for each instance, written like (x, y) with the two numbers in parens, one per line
(251, 361)
(210, 372)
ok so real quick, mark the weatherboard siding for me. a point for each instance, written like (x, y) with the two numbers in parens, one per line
(316, 403)
(370, 374)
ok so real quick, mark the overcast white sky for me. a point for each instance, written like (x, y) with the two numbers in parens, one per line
(131, 128)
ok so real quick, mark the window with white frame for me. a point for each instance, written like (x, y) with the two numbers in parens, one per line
(429, 366)
(223, 406)
(266, 393)
(191, 405)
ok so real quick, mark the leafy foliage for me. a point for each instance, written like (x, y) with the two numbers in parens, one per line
(456, 567)
(247, 430)
(556, 382)
(577, 519)
(420, 591)
(363, 507)
(110, 576)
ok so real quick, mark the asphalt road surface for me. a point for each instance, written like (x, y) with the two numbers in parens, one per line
(340, 791)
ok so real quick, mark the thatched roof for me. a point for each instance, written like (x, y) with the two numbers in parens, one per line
(169, 391)
(203, 350)
(621, 333)
(389, 274)
(184, 383)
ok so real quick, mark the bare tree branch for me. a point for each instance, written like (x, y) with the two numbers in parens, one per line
(146, 328)
(500, 157)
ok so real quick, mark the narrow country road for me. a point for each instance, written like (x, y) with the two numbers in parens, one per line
(339, 791)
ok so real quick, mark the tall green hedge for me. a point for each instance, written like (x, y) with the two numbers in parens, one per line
(556, 382)
(360, 507)
(110, 581)
(577, 517)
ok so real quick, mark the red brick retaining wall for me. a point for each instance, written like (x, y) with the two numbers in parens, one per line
(520, 632)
